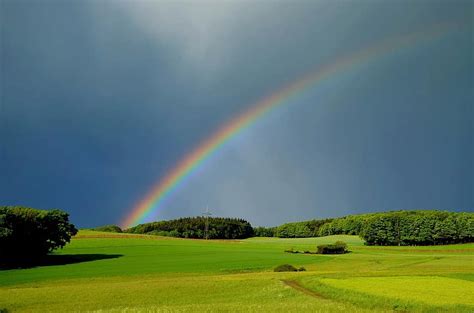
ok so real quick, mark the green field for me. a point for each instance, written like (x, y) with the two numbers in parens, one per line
(105, 272)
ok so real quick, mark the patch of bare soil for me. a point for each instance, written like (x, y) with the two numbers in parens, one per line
(296, 285)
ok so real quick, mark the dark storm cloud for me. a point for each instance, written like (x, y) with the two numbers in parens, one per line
(100, 99)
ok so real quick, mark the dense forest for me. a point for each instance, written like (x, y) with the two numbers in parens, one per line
(418, 227)
(194, 227)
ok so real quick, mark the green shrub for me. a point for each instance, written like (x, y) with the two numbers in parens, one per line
(337, 248)
(27, 234)
(301, 269)
(285, 268)
(108, 228)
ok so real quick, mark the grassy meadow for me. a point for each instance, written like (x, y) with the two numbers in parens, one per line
(109, 272)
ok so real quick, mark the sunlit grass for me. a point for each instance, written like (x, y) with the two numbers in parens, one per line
(187, 293)
(160, 274)
(427, 289)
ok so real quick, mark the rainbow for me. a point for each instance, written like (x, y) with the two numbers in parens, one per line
(210, 146)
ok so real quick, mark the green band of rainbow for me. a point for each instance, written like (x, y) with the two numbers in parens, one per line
(190, 162)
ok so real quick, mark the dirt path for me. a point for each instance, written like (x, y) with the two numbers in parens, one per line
(296, 285)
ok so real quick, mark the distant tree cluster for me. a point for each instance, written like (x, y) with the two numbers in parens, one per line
(194, 227)
(292, 230)
(339, 247)
(108, 228)
(347, 225)
(301, 229)
(418, 227)
(27, 234)
(264, 231)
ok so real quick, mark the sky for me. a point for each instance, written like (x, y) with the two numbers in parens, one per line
(100, 99)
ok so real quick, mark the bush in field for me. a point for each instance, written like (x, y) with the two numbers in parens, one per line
(109, 228)
(337, 248)
(285, 268)
(27, 234)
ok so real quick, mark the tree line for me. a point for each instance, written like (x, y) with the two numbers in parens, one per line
(194, 227)
(415, 227)
(28, 234)
(419, 228)
(404, 227)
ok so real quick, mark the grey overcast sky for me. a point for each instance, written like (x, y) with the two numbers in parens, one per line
(99, 99)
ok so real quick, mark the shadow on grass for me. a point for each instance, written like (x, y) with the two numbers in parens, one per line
(55, 259)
